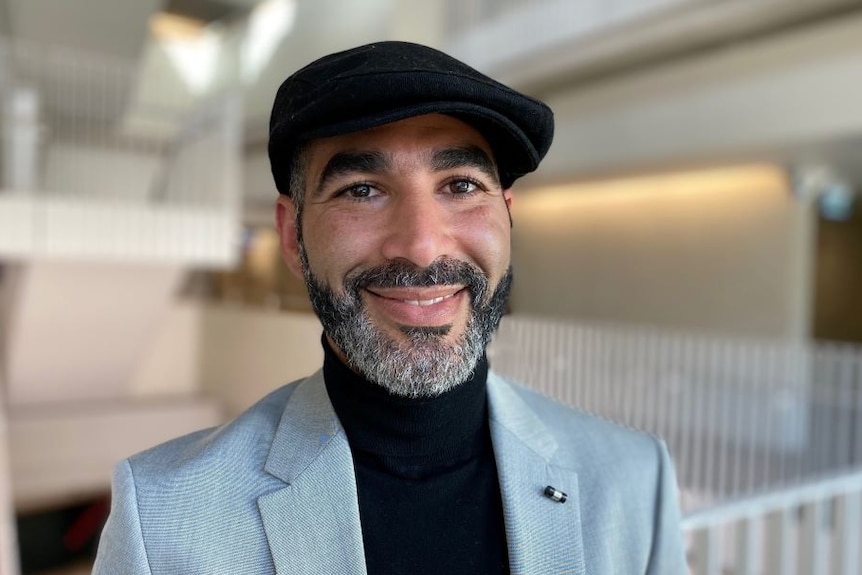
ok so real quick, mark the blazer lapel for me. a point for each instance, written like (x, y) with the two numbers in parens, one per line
(312, 524)
(544, 537)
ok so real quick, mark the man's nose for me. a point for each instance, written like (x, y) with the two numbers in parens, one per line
(419, 230)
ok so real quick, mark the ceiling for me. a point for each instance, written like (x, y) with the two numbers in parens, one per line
(110, 27)
(118, 31)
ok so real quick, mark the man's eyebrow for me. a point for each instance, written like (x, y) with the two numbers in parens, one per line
(343, 163)
(464, 156)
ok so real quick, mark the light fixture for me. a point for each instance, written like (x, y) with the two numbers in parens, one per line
(681, 183)
(192, 47)
(823, 186)
(268, 23)
(167, 26)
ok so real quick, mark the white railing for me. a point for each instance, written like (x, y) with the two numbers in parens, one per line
(488, 33)
(96, 161)
(812, 529)
(739, 416)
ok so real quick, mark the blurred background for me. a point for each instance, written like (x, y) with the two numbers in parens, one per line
(688, 259)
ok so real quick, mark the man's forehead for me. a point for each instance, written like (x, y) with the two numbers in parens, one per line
(417, 135)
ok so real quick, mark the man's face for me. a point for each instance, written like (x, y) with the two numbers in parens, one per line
(404, 244)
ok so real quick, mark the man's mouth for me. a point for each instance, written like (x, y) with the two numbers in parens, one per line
(418, 296)
(438, 304)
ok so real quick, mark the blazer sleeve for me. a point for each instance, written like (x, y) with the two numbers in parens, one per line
(668, 551)
(121, 547)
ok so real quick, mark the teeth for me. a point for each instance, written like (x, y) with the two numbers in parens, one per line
(426, 302)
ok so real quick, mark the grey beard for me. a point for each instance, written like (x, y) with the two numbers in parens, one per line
(424, 365)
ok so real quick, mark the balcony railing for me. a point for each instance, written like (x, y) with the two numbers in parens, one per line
(811, 529)
(739, 416)
(95, 161)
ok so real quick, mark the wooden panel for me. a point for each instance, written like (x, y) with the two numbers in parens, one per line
(838, 279)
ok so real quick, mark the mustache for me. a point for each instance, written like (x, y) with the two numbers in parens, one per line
(402, 273)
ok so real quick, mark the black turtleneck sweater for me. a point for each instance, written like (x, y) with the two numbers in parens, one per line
(429, 499)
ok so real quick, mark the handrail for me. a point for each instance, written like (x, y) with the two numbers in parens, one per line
(810, 529)
(772, 501)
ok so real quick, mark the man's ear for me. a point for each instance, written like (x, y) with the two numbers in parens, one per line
(507, 197)
(285, 224)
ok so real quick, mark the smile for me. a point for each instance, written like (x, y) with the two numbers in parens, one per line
(419, 306)
(421, 297)
(426, 302)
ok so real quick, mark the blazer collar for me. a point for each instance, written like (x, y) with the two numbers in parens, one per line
(544, 537)
(312, 524)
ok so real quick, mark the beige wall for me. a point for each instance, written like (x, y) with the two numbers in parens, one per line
(8, 280)
(150, 348)
(725, 251)
(78, 329)
(246, 353)
(235, 355)
(90, 172)
(168, 366)
(749, 99)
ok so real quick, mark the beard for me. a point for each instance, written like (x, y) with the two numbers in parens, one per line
(423, 364)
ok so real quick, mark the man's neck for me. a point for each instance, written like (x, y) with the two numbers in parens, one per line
(375, 420)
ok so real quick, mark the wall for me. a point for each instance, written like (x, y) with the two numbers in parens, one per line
(258, 187)
(725, 251)
(73, 169)
(8, 275)
(246, 353)
(234, 355)
(743, 100)
(86, 332)
(169, 365)
(78, 328)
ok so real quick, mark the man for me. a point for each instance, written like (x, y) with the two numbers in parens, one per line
(404, 454)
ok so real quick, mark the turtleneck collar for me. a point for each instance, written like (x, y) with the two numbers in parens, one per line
(424, 433)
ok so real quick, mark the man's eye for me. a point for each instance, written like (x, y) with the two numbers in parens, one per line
(461, 187)
(360, 191)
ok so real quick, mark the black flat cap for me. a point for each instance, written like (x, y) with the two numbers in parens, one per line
(385, 82)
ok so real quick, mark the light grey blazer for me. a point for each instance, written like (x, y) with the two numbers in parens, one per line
(273, 491)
